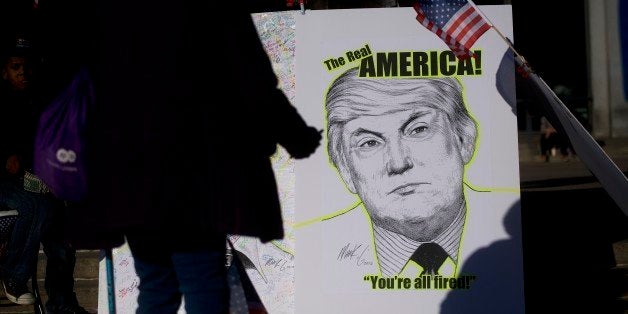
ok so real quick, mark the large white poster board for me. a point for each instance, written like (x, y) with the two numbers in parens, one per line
(270, 266)
(329, 261)
(420, 168)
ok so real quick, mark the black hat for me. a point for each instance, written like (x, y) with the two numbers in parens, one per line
(16, 46)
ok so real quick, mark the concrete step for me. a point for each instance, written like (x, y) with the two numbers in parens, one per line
(86, 292)
(529, 146)
(619, 274)
(620, 248)
(6, 307)
(86, 264)
(85, 284)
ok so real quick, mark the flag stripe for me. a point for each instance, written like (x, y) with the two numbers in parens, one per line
(467, 32)
(456, 22)
(458, 19)
(478, 33)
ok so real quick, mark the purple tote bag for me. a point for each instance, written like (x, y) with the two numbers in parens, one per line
(60, 141)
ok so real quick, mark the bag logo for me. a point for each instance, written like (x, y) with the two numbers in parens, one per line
(64, 156)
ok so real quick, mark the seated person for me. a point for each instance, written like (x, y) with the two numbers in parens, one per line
(20, 190)
(17, 129)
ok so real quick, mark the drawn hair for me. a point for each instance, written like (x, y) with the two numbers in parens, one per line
(350, 96)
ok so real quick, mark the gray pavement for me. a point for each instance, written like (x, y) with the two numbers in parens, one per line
(561, 173)
(564, 175)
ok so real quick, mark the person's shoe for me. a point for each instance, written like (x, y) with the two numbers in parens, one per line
(18, 293)
(66, 309)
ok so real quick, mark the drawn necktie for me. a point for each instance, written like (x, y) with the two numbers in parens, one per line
(430, 256)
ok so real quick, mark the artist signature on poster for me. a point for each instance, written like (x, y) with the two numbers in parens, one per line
(280, 264)
(355, 253)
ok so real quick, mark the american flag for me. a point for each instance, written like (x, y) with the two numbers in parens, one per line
(457, 22)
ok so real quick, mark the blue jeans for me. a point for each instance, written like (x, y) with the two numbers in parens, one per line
(166, 275)
(40, 220)
(23, 248)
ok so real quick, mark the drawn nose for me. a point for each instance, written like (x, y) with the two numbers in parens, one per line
(399, 160)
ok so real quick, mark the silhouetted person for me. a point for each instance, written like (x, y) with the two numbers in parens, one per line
(187, 115)
(41, 215)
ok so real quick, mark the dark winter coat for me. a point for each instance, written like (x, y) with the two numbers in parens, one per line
(187, 115)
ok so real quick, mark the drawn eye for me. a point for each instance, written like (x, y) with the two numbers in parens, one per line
(368, 144)
(419, 129)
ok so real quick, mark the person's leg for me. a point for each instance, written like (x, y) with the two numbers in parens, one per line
(554, 140)
(61, 260)
(20, 259)
(563, 145)
(545, 147)
(202, 276)
(158, 287)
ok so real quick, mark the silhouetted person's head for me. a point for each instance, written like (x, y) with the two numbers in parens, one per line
(17, 63)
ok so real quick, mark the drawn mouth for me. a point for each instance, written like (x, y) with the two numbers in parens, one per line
(406, 189)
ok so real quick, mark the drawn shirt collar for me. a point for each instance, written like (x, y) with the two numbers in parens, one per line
(394, 250)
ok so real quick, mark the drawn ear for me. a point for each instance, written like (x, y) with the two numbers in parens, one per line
(467, 142)
(5, 75)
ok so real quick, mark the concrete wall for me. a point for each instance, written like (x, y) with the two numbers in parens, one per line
(610, 107)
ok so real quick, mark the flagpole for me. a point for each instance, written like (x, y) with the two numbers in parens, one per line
(593, 156)
(589, 151)
(504, 38)
(509, 43)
